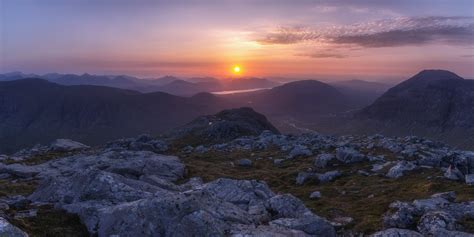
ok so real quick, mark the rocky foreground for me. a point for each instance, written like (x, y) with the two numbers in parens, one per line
(261, 184)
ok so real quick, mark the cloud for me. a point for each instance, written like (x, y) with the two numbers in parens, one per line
(384, 33)
(324, 55)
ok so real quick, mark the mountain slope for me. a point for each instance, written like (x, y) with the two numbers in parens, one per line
(432, 98)
(300, 99)
(37, 111)
(362, 92)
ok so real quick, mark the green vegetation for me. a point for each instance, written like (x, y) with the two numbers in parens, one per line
(41, 158)
(364, 198)
(52, 222)
(8, 188)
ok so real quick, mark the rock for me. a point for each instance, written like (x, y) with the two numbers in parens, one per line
(299, 150)
(432, 222)
(315, 195)
(349, 155)
(450, 196)
(17, 201)
(395, 232)
(469, 179)
(18, 170)
(244, 162)
(201, 149)
(321, 161)
(7, 229)
(453, 174)
(363, 172)
(430, 204)
(404, 217)
(342, 221)
(400, 168)
(26, 214)
(143, 142)
(380, 167)
(329, 176)
(278, 161)
(66, 145)
(244, 193)
(304, 177)
(264, 231)
(225, 126)
(312, 225)
(287, 206)
(196, 213)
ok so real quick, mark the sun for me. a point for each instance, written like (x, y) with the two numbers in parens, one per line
(236, 69)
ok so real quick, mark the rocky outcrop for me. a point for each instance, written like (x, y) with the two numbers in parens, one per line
(224, 126)
(134, 193)
(436, 216)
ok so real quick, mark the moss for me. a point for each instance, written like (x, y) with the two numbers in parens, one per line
(364, 198)
(52, 222)
(41, 158)
(467, 224)
(8, 188)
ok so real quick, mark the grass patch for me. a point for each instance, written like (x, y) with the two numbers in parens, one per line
(364, 198)
(52, 222)
(42, 158)
(8, 188)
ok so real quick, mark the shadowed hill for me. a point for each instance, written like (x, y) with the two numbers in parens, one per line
(300, 99)
(37, 111)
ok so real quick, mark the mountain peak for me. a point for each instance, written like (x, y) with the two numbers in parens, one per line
(436, 74)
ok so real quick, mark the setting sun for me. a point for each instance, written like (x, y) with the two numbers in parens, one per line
(236, 69)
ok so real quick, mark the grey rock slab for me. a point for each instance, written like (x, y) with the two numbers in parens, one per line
(349, 155)
(66, 145)
(400, 168)
(395, 232)
(322, 160)
(9, 230)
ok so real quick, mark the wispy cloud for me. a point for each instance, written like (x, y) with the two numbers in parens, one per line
(383, 33)
(324, 55)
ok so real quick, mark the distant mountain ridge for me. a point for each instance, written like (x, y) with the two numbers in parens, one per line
(168, 84)
(37, 111)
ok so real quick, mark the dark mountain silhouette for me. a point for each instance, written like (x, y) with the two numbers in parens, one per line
(432, 98)
(168, 84)
(436, 104)
(37, 111)
(304, 100)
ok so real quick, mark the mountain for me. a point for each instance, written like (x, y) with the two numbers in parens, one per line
(434, 103)
(300, 99)
(168, 84)
(362, 92)
(431, 98)
(37, 111)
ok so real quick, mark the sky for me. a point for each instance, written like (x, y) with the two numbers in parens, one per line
(329, 39)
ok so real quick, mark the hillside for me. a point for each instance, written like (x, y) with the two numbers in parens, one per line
(37, 111)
